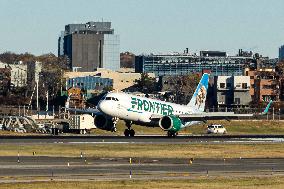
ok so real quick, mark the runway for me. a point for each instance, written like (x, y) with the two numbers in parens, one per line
(30, 168)
(143, 139)
(67, 168)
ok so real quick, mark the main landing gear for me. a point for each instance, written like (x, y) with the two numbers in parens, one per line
(129, 132)
(172, 134)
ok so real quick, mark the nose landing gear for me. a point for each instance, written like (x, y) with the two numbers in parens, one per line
(114, 121)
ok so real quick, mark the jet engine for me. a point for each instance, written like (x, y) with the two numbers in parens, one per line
(170, 123)
(103, 122)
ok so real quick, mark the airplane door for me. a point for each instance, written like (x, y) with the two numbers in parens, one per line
(119, 108)
(122, 111)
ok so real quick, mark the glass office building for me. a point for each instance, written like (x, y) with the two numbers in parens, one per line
(89, 83)
(183, 64)
(281, 53)
(111, 58)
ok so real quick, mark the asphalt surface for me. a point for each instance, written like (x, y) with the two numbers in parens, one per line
(61, 168)
(226, 139)
(31, 168)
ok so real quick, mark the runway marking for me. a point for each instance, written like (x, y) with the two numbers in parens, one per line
(242, 140)
(267, 139)
(101, 142)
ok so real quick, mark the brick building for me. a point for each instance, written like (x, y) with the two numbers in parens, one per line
(265, 84)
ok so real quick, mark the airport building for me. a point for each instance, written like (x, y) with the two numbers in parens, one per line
(218, 63)
(90, 46)
(122, 80)
(232, 91)
(91, 83)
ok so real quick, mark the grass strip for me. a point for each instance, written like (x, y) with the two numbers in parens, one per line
(274, 150)
(198, 183)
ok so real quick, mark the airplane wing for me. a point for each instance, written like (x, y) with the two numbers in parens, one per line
(87, 111)
(212, 116)
(205, 116)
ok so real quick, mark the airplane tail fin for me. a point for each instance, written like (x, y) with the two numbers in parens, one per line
(199, 97)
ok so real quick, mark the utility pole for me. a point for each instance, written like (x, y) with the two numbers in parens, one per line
(273, 113)
(47, 101)
(37, 106)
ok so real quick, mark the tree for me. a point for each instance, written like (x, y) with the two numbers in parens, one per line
(10, 57)
(50, 76)
(107, 88)
(127, 60)
(182, 87)
(280, 68)
(146, 84)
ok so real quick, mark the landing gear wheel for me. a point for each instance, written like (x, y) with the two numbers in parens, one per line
(126, 133)
(172, 134)
(131, 132)
(114, 129)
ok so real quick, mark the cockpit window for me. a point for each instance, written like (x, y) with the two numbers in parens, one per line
(111, 98)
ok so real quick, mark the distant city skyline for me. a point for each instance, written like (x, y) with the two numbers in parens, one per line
(149, 26)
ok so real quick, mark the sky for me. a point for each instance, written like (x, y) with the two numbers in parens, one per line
(148, 26)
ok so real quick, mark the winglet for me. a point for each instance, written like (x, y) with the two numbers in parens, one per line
(267, 108)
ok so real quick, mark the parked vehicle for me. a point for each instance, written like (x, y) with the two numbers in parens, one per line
(81, 124)
(216, 129)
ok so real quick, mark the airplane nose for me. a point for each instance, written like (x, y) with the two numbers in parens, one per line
(100, 106)
(103, 106)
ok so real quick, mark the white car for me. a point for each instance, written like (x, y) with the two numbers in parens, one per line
(216, 129)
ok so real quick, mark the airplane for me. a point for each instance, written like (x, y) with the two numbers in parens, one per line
(143, 111)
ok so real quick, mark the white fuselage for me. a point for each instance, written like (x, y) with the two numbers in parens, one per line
(139, 109)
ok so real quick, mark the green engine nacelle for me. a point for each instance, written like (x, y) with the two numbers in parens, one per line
(170, 123)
